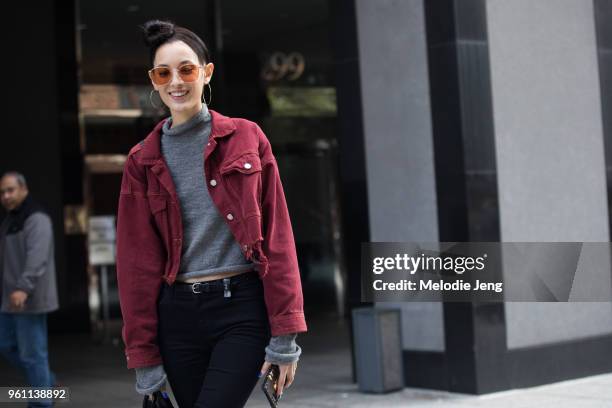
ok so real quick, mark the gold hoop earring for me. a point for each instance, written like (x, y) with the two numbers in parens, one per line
(151, 99)
(204, 94)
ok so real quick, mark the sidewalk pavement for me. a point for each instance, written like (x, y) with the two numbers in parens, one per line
(96, 374)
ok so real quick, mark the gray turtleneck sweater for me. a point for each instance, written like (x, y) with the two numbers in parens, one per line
(208, 245)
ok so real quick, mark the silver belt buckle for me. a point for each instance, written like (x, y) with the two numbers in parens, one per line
(195, 287)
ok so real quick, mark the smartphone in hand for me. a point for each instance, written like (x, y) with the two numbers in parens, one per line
(270, 385)
(160, 400)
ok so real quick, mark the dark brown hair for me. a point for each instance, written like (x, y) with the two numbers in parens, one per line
(157, 32)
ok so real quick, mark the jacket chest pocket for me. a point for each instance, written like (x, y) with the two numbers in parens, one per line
(159, 211)
(242, 177)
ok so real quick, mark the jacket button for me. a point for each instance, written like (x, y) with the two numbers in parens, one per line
(213, 182)
(230, 216)
(247, 165)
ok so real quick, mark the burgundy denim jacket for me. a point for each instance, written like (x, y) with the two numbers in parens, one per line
(244, 184)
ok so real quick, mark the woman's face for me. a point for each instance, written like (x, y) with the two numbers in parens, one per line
(179, 96)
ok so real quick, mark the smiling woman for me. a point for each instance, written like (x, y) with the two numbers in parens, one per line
(181, 68)
(209, 285)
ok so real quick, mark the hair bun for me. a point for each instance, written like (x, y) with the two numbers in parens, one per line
(157, 31)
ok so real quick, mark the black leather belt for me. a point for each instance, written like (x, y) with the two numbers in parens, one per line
(217, 285)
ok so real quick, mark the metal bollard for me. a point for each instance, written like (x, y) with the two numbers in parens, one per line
(378, 349)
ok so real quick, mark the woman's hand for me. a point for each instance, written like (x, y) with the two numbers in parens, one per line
(287, 375)
(162, 389)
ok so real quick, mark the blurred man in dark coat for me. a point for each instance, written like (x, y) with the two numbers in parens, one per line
(27, 282)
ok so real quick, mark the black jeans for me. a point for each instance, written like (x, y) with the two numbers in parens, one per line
(213, 346)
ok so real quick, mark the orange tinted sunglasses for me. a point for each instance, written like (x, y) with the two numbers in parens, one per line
(163, 75)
